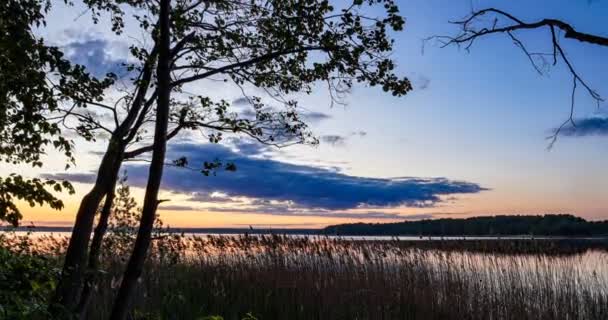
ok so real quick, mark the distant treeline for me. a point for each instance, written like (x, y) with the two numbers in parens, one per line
(504, 225)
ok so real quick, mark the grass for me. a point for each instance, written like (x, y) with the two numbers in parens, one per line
(276, 277)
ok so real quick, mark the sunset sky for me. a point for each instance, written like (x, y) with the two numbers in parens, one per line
(471, 139)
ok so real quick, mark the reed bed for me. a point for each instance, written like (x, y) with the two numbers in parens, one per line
(284, 277)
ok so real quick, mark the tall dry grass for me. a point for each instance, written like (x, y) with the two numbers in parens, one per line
(277, 277)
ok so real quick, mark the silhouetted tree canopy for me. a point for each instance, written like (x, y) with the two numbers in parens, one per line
(35, 80)
(266, 50)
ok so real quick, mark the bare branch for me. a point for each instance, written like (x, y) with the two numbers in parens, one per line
(472, 28)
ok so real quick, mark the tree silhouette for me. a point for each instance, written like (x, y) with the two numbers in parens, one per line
(35, 80)
(278, 47)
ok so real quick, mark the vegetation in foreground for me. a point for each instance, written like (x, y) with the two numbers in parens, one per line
(279, 277)
(289, 277)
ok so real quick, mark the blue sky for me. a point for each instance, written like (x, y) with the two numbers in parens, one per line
(478, 118)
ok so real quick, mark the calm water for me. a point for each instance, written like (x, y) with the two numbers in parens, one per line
(366, 238)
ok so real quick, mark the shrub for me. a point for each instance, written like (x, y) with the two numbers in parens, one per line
(26, 283)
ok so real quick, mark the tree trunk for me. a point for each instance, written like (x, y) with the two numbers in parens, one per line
(142, 242)
(91, 276)
(70, 284)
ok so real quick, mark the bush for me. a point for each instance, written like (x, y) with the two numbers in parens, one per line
(26, 283)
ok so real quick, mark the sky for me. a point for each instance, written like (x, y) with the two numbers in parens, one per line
(469, 140)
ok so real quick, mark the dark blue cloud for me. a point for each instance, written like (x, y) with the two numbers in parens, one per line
(241, 101)
(72, 177)
(301, 185)
(595, 126)
(94, 55)
(314, 116)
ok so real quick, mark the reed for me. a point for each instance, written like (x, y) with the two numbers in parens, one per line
(284, 277)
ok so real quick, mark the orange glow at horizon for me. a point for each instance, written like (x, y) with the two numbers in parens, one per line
(489, 203)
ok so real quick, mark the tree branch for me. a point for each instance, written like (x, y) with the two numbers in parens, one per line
(470, 31)
(246, 63)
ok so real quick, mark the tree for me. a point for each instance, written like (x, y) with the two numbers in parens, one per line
(35, 80)
(475, 26)
(281, 47)
(148, 215)
(122, 228)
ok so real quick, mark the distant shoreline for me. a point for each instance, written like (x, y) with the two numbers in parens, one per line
(486, 227)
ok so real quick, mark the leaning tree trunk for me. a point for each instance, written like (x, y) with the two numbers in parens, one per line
(144, 234)
(70, 284)
(95, 250)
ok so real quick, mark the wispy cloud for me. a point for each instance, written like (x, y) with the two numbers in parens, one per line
(313, 116)
(341, 140)
(176, 208)
(287, 210)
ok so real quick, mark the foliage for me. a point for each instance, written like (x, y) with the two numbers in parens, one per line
(26, 282)
(281, 47)
(124, 222)
(277, 49)
(33, 191)
(35, 80)
(541, 225)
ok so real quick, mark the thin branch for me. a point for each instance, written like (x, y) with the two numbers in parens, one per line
(246, 63)
(569, 120)
(470, 32)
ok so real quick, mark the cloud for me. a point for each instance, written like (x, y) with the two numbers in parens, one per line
(423, 82)
(313, 116)
(334, 140)
(267, 186)
(338, 140)
(277, 225)
(250, 147)
(176, 208)
(594, 126)
(72, 177)
(301, 185)
(325, 214)
(96, 55)
(209, 198)
(359, 133)
(420, 81)
(241, 101)
(306, 116)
